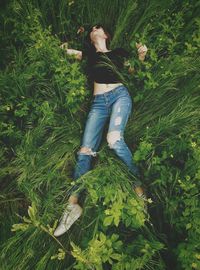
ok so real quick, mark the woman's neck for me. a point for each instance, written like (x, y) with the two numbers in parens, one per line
(100, 46)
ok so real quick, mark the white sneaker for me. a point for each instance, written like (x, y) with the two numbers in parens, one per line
(70, 215)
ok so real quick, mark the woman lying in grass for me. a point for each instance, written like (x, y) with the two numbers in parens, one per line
(111, 100)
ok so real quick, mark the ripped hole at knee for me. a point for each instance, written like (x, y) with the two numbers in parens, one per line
(87, 151)
(118, 120)
(112, 137)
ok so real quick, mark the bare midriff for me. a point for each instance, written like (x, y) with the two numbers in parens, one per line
(100, 88)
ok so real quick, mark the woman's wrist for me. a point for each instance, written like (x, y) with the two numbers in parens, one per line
(141, 56)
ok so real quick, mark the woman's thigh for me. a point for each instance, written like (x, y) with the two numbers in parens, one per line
(94, 126)
(120, 113)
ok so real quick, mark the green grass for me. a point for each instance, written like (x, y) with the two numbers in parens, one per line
(44, 101)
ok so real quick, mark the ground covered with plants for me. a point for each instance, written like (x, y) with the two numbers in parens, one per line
(44, 101)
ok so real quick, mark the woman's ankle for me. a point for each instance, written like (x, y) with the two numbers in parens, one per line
(139, 190)
(73, 199)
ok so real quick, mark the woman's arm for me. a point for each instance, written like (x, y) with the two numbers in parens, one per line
(142, 50)
(76, 53)
(127, 64)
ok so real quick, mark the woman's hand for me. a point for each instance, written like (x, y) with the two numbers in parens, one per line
(142, 50)
(80, 30)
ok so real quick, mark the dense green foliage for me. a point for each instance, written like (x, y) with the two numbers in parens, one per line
(44, 101)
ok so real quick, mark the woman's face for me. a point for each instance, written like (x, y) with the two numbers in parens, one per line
(97, 32)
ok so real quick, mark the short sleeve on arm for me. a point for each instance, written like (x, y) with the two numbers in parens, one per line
(122, 52)
(84, 53)
(88, 53)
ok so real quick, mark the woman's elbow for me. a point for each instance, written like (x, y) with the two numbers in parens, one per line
(79, 55)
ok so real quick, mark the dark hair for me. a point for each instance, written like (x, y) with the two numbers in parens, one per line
(88, 39)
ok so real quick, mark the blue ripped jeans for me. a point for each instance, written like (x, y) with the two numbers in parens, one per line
(116, 105)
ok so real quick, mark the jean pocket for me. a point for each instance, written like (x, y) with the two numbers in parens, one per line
(123, 90)
(125, 93)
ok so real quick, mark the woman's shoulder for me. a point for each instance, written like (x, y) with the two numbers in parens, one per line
(121, 51)
(88, 51)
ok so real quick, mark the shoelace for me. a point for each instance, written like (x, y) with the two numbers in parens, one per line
(66, 213)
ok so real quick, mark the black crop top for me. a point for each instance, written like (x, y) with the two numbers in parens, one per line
(104, 67)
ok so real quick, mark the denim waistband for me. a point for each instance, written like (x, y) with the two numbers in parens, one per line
(114, 90)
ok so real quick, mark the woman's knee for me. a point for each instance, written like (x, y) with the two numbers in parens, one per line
(87, 151)
(113, 137)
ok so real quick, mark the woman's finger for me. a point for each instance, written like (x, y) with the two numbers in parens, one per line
(142, 49)
(80, 30)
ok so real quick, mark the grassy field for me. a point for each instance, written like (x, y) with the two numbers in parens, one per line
(44, 100)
